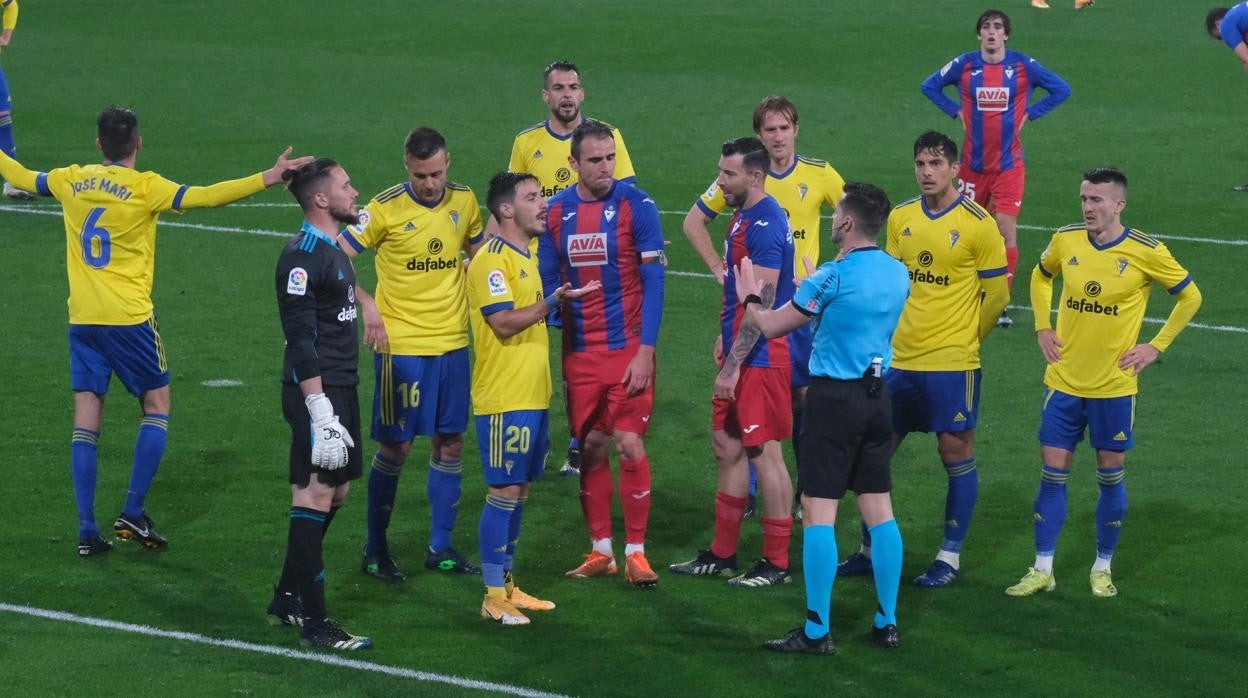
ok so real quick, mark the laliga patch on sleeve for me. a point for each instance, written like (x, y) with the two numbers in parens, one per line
(497, 282)
(711, 191)
(297, 282)
(361, 222)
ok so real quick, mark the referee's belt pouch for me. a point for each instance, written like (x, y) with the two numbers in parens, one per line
(872, 382)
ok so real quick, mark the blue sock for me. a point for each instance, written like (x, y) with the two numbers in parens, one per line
(443, 488)
(1111, 509)
(492, 533)
(84, 463)
(819, 565)
(1050, 508)
(959, 502)
(886, 563)
(513, 532)
(574, 444)
(7, 144)
(383, 485)
(753, 480)
(149, 448)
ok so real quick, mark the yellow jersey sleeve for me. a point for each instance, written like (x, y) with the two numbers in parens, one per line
(989, 249)
(370, 230)
(833, 185)
(10, 15)
(623, 162)
(1161, 266)
(474, 226)
(712, 202)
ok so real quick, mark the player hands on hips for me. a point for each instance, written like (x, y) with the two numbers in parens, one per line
(511, 382)
(607, 231)
(1091, 380)
(752, 400)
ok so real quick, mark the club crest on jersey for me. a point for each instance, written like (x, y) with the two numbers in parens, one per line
(455, 218)
(609, 213)
(802, 189)
(736, 225)
(1009, 73)
(587, 249)
(297, 282)
(1122, 265)
(497, 282)
(992, 98)
(954, 236)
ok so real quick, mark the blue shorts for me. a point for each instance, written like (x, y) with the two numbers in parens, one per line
(936, 401)
(800, 342)
(6, 102)
(420, 396)
(513, 446)
(1109, 421)
(134, 352)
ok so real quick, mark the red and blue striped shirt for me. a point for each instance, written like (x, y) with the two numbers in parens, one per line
(760, 232)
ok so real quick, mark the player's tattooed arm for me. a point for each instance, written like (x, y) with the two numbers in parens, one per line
(747, 337)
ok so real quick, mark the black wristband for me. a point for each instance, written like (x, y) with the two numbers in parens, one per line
(752, 298)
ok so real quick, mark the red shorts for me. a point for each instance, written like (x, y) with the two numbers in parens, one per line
(1005, 189)
(763, 410)
(598, 400)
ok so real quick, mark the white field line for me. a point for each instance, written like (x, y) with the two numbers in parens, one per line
(254, 204)
(47, 211)
(277, 651)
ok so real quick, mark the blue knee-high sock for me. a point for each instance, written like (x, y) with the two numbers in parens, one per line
(1111, 509)
(149, 448)
(1050, 508)
(383, 485)
(84, 463)
(7, 144)
(513, 533)
(492, 534)
(886, 563)
(753, 480)
(959, 502)
(819, 565)
(443, 487)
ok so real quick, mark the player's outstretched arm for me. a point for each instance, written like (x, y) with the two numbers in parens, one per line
(509, 323)
(17, 175)
(772, 323)
(375, 336)
(700, 237)
(228, 192)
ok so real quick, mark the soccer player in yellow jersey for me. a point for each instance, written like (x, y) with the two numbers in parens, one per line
(1094, 363)
(956, 259)
(110, 212)
(511, 381)
(544, 150)
(804, 187)
(418, 324)
(7, 145)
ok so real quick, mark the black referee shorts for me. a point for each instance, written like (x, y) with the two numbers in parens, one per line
(847, 440)
(347, 406)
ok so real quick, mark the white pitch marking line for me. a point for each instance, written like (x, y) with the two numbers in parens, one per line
(221, 383)
(327, 659)
(672, 272)
(260, 204)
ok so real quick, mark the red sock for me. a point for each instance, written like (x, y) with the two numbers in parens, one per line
(635, 498)
(1011, 264)
(596, 490)
(729, 511)
(776, 533)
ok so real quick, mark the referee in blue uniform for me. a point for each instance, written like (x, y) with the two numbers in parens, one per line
(846, 441)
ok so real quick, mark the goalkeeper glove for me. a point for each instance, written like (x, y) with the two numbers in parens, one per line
(330, 439)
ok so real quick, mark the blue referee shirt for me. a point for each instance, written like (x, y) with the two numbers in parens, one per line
(856, 302)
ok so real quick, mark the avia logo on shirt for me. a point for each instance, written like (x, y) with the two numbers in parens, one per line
(993, 99)
(587, 249)
(347, 314)
(1083, 305)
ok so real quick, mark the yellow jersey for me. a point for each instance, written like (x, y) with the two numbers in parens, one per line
(110, 214)
(10, 14)
(544, 154)
(802, 191)
(947, 253)
(510, 374)
(420, 277)
(1101, 308)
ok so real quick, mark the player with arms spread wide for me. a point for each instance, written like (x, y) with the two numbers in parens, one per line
(110, 212)
(1108, 271)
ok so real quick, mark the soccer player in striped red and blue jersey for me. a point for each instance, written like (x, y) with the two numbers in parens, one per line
(995, 87)
(606, 230)
(752, 402)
